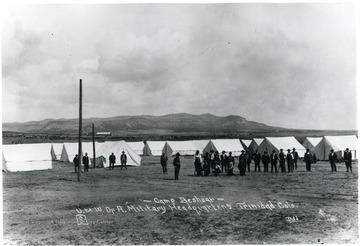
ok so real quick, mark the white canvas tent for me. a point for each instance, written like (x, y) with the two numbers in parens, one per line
(338, 144)
(58, 152)
(276, 143)
(181, 147)
(227, 145)
(117, 148)
(200, 144)
(254, 145)
(137, 147)
(26, 157)
(153, 148)
(246, 143)
(311, 142)
(71, 150)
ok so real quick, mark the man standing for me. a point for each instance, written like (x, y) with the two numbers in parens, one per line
(163, 162)
(332, 159)
(347, 158)
(176, 164)
(248, 159)
(274, 160)
(123, 159)
(76, 162)
(282, 161)
(242, 163)
(308, 160)
(289, 160)
(257, 159)
(223, 159)
(265, 160)
(296, 157)
(231, 163)
(112, 160)
(86, 162)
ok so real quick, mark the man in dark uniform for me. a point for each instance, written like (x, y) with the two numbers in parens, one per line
(163, 162)
(257, 159)
(265, 160)
(289, 160)
(274, 160)
(176, 163)
(296, 157)
(223, 158)
(76, 162)
(282, 161)
(308, 160)
(332, 159)
(86, 163)
(123, 159)
(242, 163)
(347, 158)
(112, 160)
(248, 159)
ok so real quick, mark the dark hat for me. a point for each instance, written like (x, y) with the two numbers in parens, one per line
(177, 154)
(293, 148)
(288, 150)
(223, 151)
(230, 153)
(273, 151)
(347, 148)
(281, 149)
(307, 150)
(123, 151)
(242, 151)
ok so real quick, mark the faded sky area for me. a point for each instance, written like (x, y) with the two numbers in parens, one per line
(289, 65)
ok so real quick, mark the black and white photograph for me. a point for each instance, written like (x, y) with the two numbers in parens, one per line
(179, 123)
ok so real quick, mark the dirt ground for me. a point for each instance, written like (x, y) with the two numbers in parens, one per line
(141, 205)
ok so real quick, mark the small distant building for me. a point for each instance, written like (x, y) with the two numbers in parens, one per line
(103, 134)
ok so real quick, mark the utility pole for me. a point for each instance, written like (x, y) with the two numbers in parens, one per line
(93, 137)
(80, 130)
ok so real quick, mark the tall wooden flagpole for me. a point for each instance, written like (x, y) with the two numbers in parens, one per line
(93, 137)
(80, 130)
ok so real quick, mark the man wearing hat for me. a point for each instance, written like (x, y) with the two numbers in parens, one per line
(76, 162)
(242, 163)
(308, 160)
(282, 161)
(296, 157)
(289, 160)
(176, 164)
(257, 159)
(163, 162)
(123, 159)
(248, 159)
(86, 162)
(274, 160)
(112, 160)
(223, 160)
(265, 160)
(332, 160)
(347, 158)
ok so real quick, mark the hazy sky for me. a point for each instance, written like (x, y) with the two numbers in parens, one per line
(289, 65)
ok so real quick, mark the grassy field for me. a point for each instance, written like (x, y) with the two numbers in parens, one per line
(142, 205)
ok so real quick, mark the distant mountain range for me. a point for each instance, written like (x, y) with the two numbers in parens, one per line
(172, 122)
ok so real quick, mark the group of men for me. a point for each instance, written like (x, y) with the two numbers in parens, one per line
(112, 161)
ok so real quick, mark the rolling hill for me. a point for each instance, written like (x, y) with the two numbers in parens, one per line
(172, 122)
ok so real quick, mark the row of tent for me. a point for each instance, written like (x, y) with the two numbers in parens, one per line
(25, 157)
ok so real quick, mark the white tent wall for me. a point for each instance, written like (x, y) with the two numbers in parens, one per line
(137, 147)
(56, 151)
(254, 145)
(338, 144)
(117, 148)
(181, 147)
(285, 143)
(27, 157)
(311, 142)
(153, 148)
(246, 143)
(200, 144)
(228, 145)
(72, 150)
